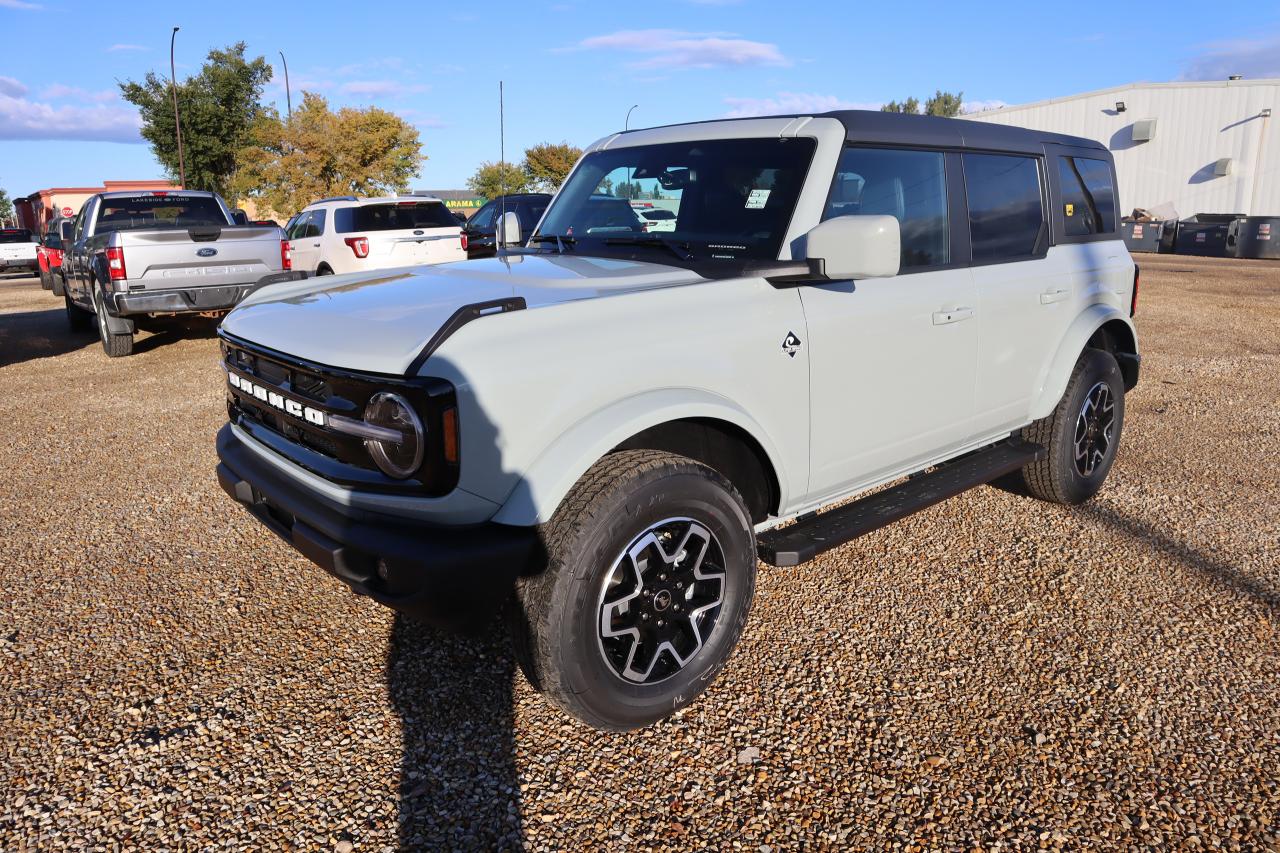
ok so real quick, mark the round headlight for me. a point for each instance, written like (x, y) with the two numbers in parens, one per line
(396, 459)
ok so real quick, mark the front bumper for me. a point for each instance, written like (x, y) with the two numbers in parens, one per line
(452, 577)
(192, 300)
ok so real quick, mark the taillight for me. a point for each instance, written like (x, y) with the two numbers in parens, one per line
(359, 246)
(1133, 302)
(462, 238)
(286, 255)
(115, 263)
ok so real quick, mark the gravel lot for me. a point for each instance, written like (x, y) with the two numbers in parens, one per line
(995, 672)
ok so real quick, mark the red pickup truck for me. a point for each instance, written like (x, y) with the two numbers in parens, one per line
(49, 254)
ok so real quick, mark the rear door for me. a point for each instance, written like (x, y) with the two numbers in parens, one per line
(404, 232)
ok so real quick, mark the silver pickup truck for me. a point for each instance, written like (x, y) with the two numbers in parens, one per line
(133, 257)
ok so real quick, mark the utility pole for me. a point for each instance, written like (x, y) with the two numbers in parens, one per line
(626, 125)
(288, 98)
(502, 164)
(177, 122)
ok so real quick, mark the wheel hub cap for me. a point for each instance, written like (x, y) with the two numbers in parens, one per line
(661, 600)
(1095, 427)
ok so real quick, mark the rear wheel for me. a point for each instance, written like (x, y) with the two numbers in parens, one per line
(1082, 435)
(323, 270)
(115, 346)
(650, 575)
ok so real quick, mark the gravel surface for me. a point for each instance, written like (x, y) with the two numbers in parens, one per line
(994, 672)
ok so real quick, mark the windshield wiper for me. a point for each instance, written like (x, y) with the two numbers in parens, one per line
(561, 241)
(680, 250)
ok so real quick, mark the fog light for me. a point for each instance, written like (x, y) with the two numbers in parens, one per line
(384, 571)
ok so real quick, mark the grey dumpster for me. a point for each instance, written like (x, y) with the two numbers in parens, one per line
(1254, 237)
(1204, 234)
(1149, 235)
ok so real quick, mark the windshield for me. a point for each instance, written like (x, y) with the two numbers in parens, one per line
(719, 200)
(160, 210)
(15, 235)
(394, 216)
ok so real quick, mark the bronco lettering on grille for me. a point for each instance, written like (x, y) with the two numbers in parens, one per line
(277, 400)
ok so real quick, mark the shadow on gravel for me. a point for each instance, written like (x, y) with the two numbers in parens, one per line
(458, 784)
(164, 335)
(29, 335)
(1223, 573)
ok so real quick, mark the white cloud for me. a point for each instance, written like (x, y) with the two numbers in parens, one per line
(11, 87)
(785, 103)
(1258, 57)
(59, 91)
(18, 4)
(680, 49)
(21, 118)
(381, 88)
(982, 106)
(116, 48)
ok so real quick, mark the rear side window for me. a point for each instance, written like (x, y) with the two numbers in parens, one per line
(910, 186)
(1006, 209)
(394, 216)
(1088, 196)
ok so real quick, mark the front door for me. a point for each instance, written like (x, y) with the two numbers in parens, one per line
(892, 361)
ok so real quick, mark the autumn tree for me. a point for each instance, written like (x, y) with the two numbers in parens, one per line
(6, 206)
(494, 179)
(910, 105)
(289, 163)
(548, 164)
(218, 108)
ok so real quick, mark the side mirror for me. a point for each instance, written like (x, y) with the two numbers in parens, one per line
(854, 247)
(509, 229)
(239, 217)
(68, 230)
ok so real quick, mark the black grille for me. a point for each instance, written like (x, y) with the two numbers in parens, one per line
(331, 454)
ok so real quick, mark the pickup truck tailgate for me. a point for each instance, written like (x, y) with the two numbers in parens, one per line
(203, 256)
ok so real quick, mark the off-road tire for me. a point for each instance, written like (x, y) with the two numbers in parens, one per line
(46, 280)
(1057, 478)
(78, 319)
(556, 614)
(57, 284)
(115, 346)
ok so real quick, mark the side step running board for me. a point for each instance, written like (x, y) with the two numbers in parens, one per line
(800, 542)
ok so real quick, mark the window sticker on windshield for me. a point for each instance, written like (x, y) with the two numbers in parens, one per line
(757, 198)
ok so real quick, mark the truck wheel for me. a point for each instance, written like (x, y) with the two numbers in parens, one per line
(651, 566)
(1082, 435)
(55, 282)
(46, 280)
(78, 319)
(114, 345)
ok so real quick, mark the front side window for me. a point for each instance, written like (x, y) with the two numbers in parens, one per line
(910, 186)
(1088, 196)
(483, 218)
(1006, 210)
(158, 210)
(732, 200)
(315, 224)
(298, 228)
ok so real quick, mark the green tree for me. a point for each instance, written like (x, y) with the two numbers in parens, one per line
(6, 206)
(494, 179)
(218, 107)
(287, 164)
(944, 104)
(548, 164)
(910, 105)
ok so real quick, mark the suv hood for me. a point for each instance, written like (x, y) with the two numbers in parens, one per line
(379, 322)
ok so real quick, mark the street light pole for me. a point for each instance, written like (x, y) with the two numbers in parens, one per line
(177, 122)
(288, 98)
(626, 125)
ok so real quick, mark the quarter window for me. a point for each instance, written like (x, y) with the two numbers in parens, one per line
(1006, 211)
(910, 186)
(1088, 196)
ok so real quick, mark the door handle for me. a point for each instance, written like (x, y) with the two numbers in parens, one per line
(315, 245)
(1048, 297)
(953, 315)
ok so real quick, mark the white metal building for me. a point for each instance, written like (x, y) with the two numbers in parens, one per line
(1197, 147)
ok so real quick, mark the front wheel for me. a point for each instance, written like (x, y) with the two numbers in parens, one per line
(1082, 435)
(650, 574)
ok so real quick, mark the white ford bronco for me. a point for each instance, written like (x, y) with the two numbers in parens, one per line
(603, 428)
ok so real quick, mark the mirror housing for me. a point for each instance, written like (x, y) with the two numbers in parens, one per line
(508, 229)
(239, 217)
(68, 230)
(853, 247)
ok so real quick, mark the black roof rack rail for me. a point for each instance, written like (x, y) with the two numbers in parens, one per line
(336, 198)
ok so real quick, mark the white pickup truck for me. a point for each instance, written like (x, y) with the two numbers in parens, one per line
(18, 250)
(130, 257)
(854, 316)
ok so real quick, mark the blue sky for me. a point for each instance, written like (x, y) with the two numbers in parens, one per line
(572, 69)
